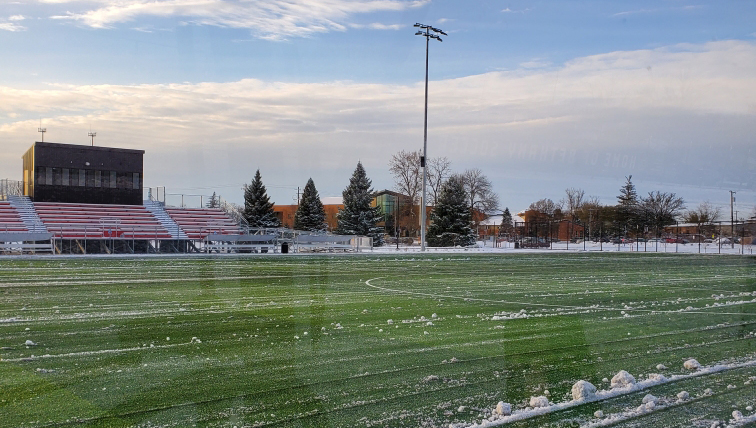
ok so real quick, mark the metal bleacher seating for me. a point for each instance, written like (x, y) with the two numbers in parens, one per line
(100, 221)
(198, 223)
(10, 220)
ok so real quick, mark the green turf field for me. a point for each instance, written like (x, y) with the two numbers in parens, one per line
(371, 341)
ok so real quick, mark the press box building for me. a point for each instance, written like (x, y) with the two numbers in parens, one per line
(83, 174)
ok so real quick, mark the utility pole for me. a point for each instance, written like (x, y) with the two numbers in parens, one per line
(732, 219)
(428, 35)
(92, 134)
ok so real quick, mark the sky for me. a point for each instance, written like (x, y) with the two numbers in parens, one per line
(539, 95)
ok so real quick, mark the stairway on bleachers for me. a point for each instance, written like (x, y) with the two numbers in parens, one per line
(28, 215)
(156, 208)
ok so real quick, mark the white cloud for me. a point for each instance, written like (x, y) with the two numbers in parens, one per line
(9, 26)
(688, 108)
(658, 10)
(267, 19)
(379, 26)
(16, 18)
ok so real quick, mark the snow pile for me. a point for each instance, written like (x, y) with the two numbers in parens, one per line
(30, 343)
(661, 367)
(539, 401)
(657, 377)
(622, 379)
(622, 384)
(692, 364)
(503, 409)
(389, 322)
(737, 415)
(583, 390)
(195, 340)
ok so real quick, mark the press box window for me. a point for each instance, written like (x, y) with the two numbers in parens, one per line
(136, 180)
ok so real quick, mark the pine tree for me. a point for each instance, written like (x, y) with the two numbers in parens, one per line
(258, 210)
(214, 202)
(506, 223)
(310, 215)
(358, 217)
(628, 207)
(451, 217)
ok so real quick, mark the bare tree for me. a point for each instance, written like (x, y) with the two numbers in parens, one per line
(661, 209)
(439, 169)
(408, 176)
(235, 211)
(704, 214)
(480, 194)
(573, 202)
(546, 207)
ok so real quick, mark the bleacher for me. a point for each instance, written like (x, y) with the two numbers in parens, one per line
(100, 221)
(10, 220)
(198, 223)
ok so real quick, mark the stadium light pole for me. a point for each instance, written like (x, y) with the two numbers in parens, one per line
(428, 32)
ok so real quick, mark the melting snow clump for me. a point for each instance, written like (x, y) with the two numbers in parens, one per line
(749, 408)
(649, 399)
(683, 395)
(708, 391)
(737, 415)
(539, 401)
(434, 315)
(599, 414)
(692, 364)
(30, 343)
(389, 322)
(622, 379)
(657, 377)
(503, 409)
(661, 367)
(583, 390)
(195, 340)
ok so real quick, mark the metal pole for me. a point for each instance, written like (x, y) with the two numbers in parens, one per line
(732, 220)
(423, 161)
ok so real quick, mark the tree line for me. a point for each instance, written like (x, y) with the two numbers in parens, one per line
(632, 215)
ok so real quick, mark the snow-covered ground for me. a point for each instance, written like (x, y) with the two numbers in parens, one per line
(651, 247)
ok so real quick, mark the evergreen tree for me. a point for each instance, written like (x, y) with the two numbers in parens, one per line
(358, 217)
(258, 210)
(506, 223)
(214, 202)
(628, 208)
(451, 217)
(310, 215)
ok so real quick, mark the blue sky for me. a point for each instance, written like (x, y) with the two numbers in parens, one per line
(541, 95)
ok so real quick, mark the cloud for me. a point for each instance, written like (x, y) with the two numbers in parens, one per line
(267, 19)
(9, 26)
(658, 10)
(16, 18)
(379, 26)
(681, 114)
(508, 10)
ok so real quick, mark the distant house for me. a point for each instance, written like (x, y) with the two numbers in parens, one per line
(331, 205)
(538, 224)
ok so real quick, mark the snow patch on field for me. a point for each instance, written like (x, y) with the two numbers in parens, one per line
(623, 386)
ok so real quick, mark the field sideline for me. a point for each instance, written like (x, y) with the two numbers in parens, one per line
(376, 340)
